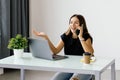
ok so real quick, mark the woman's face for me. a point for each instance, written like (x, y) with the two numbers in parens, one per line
(74, 23)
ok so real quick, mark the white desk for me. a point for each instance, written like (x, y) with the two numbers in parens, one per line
(72, 64)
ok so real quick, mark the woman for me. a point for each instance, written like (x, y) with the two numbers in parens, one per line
(76, 40)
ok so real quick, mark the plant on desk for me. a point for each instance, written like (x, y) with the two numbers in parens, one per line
(18, 44)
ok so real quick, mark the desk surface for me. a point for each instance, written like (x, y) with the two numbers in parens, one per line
(71, 64)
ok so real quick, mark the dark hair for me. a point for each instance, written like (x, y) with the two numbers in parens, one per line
(81, 21)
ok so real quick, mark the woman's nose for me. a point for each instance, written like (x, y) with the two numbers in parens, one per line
(73, 24)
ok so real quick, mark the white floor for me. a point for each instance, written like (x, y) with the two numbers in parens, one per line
(42, 75)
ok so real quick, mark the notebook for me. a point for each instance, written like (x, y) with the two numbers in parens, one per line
(40, 49)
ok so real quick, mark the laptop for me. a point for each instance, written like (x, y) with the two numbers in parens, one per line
(40, 49)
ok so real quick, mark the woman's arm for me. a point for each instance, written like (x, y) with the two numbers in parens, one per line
(54, 49)
(87, 45)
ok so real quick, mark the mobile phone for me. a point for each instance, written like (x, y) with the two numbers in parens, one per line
(77, 32)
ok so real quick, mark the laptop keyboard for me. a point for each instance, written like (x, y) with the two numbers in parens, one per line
(57, 57)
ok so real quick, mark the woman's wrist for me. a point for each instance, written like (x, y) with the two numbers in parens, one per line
(46, 37)
(81, 39)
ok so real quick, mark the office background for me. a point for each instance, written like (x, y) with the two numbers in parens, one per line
(102, 18)
(51, 16)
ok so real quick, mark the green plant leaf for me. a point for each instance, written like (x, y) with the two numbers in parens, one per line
(18, 42)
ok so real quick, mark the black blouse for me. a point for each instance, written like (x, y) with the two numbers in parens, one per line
(73, 46)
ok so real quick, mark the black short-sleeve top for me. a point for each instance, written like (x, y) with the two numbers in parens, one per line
(73, 46)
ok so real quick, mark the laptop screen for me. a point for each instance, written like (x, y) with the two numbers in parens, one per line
(40, 48)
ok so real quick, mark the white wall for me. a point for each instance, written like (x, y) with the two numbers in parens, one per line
(102, 18)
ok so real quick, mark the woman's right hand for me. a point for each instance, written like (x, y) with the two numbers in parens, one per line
(41, 34)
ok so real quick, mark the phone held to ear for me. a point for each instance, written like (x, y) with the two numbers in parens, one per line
(77, 32)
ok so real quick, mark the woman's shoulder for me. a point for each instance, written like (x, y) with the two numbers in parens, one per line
(87, 35)
(65, 35)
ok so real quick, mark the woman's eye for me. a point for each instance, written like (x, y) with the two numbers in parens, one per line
(76, 23)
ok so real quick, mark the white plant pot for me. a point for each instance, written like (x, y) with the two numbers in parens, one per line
(18, 53)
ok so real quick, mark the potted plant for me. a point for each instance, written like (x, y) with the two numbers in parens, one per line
(18, 44)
